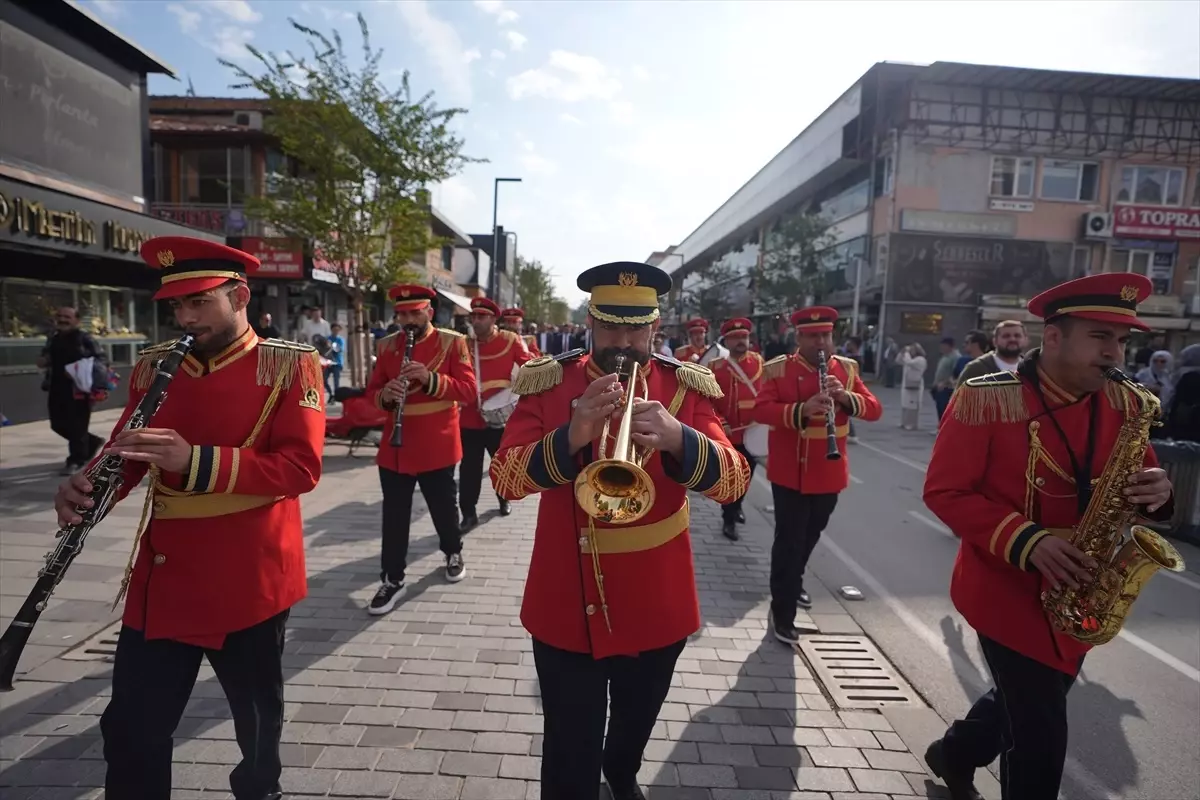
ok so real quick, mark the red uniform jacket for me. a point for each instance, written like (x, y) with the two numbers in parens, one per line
(689, 352)
(797, 445)
(497, 357)
(1000, 477)
(224, 547)
(643, 572)
(431, 438)
(531, 344)
(740, 397)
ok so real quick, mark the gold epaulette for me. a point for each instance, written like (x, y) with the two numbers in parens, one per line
(998, 397)
(775, 368)
(543, 373)
(143, 370)
(280, 362)
(850, 365)
(693, 376)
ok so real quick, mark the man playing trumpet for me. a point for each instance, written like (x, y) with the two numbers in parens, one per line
(610, 606)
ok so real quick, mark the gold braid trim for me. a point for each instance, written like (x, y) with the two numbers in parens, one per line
(278, 360)
(510, 472)
(990, 398)
(699, 379)
(851, 367)
(775, 368)
(735, 475)
(635, 319)
(143, 525)
(143, 370)
(598, 572)
(538, 375)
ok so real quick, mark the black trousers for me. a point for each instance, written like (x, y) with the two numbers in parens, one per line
(575, 701)
(152, 681)
(729, 511)
(470, 471)
(69, 418)
(799, 520)
(437, 487)
(1023, 720)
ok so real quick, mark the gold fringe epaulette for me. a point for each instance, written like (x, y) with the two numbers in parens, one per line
(998, 397)
(283, 361)
(775, 368)
(538, 375)
(699, 379)
(143, 370)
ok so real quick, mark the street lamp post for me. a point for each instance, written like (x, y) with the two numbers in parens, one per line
(512, 295)
(495, 238)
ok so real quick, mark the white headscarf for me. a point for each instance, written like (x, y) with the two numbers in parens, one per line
(1156, 377)
(1189, 361)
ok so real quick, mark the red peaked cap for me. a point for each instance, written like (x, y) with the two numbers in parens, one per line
(1110, 297)
(411, 296)
(511, 313)
(697, 324)
(188, 265)
(485, 305)
(814, 319)
(736, 327)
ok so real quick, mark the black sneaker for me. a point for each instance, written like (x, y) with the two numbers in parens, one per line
(960, 782)
(386, 598)
(456, 570)
(505, 508)
(741, 517)
(788, 634)
(729, 530)
(469, 521)
(633, 792)
(803, 600)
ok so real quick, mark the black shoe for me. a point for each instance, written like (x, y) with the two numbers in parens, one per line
(741, 517)
(803, 600)
(960, 782)
(633, 792)
(456, 570)
(505, 508)
(469, 522)
(386, 598)
(95, 443)
(729, 531)
(788, 634)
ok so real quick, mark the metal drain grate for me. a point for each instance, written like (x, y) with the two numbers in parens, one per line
(101, 646)
(856, 674)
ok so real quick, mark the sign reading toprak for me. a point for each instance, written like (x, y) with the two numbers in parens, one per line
(1155, 222)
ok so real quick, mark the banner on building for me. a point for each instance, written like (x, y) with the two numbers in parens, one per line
(1156, 222)
(957, 270)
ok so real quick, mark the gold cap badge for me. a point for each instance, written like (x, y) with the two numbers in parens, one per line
(815, 315)
(405, 292)
(1129, 294)
(627, 279)
(166, 258)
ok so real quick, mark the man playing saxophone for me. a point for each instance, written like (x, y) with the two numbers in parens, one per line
(610, 606)
(1012, 472)
(221, 558)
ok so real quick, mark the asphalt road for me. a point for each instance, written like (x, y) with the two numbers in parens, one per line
(1135, 712)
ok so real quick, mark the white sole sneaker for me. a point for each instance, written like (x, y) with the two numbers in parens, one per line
(387, 607)
(458, 577)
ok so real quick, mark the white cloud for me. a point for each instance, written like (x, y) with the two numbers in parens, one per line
(639, 72)
(237, 10)
(442, 44)
(472, 55)
(537, 165)
(570, 118)
(498, 55)
(456, 199)
(622, 111)
(230, 43)
(189, 21)
(516, 41)
(330, 14)
(504, 16)
(109, 8)
(568, 77)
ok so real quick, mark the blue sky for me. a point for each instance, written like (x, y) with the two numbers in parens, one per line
(631, 122)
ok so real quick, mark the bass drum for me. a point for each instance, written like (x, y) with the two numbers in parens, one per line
(755, 440)
(714, 351)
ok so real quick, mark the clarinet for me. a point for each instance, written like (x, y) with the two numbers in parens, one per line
(831, 448)
(106, 478)
(410, 338)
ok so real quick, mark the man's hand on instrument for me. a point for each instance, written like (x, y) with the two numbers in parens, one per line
(415, 371)
(656, 429)
(162, 447)
(600, 401)
(817, 404)
(393, 389)
(1060, 562)
(1150, 488)
(72, 494)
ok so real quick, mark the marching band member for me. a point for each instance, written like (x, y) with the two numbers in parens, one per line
(439, 377)
(512, 319)
(220, 561)
(806, 486)
(496, 353)
(1045, 430)
(739, 377)
(697, 330)
(610, 607)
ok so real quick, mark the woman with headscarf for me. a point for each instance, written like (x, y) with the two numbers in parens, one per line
(1181, 400)
(1156, 376)
(912, 365)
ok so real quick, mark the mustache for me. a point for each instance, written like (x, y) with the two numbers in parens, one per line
(607, 357)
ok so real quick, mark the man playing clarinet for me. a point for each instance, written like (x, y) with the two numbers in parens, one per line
(496, 354)
(610, 607)
(513, 319)
(432, 384)
(805, 483)
(738, 376)
(221, 561)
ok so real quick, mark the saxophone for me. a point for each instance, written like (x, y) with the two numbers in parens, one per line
(1095, 612)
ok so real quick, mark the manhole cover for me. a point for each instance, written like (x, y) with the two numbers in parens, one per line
(100, 646)
(856, 674)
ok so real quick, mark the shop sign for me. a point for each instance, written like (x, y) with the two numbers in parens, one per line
(1023, 206)
(957, 270)
(957, 223)
(278, 258)
(1155, 222)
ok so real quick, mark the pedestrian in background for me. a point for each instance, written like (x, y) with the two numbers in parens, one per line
(975, 344)
(912, 384)
(70, 410)
(1009, 340)
(1181, 399)
(335, 355)
(943, 376)
(1157, 376)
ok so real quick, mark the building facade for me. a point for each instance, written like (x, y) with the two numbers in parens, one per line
(74, 179)
(955, 192)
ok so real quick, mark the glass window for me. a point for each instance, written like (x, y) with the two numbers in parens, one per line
(1012, 177)
(1196, 189)
(216, 176)
(1154, 186)
(1070, 180)
(1081, 261)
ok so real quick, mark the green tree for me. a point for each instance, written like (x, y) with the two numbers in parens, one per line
(791, 263)
(579, 314)
(536, 289)
(710, 296)
(364, 155)
(560, 311)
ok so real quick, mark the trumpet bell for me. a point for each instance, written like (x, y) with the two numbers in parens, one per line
(614, 491)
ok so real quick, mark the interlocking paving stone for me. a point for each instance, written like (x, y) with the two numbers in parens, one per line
(438, 700)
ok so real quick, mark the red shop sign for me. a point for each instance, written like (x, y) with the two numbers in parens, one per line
(1156, 222)
(279, 258)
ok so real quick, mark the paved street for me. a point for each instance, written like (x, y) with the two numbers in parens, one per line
(438, 700)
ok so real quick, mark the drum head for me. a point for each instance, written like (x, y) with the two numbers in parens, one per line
(755, 440)
(501, 399)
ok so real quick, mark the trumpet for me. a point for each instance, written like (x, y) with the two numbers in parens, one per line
(616, 490)
(831, 449)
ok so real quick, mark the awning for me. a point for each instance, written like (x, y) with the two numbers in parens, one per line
(462, 301)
